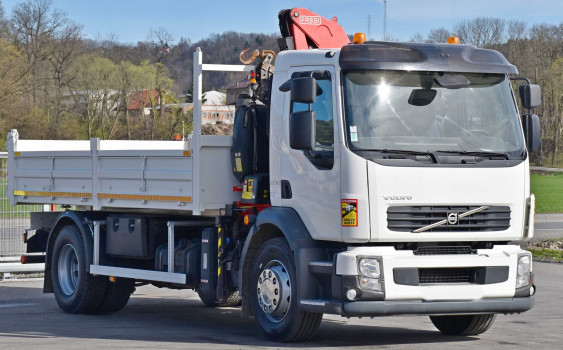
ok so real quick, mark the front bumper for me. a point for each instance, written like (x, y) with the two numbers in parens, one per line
(497, 305)
(419, 307)
(491, 287)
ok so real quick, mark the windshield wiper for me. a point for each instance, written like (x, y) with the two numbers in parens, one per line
(479, 153)
(429, 154)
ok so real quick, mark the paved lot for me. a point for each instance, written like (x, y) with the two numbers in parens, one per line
(548, 226)
(161, 318)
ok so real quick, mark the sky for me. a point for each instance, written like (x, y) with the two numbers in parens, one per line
(130, 21)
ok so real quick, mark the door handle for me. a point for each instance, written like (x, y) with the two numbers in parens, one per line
(285, 189)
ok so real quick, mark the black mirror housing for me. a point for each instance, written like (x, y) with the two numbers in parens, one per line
(302, 130)
(531, 126)
(304, 90)
(530, 95)
(422, 97)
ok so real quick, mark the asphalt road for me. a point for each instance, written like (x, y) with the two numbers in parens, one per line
(162, 318)
(548, 226)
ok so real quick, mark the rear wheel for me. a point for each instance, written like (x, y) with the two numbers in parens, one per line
(463, 324)
(76, 291)
(274, 295)
(234, 299)
(117, 295)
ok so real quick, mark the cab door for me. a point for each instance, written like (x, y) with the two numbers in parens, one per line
(310, 180)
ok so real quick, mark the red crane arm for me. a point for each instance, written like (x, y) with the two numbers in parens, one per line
(310, 30)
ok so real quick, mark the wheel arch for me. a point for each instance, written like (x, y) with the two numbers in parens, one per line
(78, 219)
(281, 222)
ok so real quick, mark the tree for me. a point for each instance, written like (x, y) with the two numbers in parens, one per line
(481, 31)
(417, 38)
(12, 73)
(94, 93)
(33, 26)
(3, 26)
(66, 47)
(439, 35)
(49, 41)
(556, 74)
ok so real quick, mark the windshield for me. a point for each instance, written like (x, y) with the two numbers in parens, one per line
(431, 112)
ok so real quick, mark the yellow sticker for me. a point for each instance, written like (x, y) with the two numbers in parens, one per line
(349, 212)
(248, 189)
(238, 164)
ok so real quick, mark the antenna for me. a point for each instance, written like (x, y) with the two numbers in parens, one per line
(369, 27)
(384, 20)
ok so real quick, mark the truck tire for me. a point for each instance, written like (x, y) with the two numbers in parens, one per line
(273, 295)
(117, 295)
(76, 291)
(234, 299)
(463, 324)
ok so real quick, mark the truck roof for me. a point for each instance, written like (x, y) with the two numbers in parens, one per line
(424, 57)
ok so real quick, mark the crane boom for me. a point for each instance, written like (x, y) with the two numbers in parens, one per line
(302, 29)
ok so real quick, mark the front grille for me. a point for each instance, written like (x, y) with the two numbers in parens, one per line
(444, 250)
(410, 218)
(428, 276)
(445, 276)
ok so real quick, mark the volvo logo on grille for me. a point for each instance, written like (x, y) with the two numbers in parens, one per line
(453, 219)
(397, 198)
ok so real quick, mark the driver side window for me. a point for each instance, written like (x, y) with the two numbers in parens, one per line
(324, 122)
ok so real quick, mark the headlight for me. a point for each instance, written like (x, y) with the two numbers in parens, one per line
(370, 268)
(523, 265)
(523, 271)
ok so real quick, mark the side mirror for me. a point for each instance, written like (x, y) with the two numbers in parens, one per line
(531, 125)
(304, 90)
(302, 130)
(530, 95)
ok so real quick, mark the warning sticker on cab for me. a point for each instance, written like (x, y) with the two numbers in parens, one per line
(349, 212)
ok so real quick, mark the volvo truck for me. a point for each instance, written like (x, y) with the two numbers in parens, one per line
(362, 179)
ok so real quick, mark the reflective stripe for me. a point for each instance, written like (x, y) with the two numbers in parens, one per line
(104, 196)
(144, 197)
(52, 194)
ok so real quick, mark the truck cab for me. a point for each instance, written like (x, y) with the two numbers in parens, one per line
(414, 161)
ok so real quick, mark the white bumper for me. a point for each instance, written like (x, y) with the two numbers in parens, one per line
(498, 256)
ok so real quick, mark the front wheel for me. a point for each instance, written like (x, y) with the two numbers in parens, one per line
(463, 324)
(274, 295)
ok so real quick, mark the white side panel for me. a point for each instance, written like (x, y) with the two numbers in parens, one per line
(168, 178)
(52, 177)
(217, 179)
(121, 174)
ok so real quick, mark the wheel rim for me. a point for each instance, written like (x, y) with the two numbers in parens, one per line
(68, 269)
(274, 291)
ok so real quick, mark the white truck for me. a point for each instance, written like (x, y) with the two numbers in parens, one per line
(374, 179)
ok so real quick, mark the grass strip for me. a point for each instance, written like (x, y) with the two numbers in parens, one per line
(548, 189)
(547, 254)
